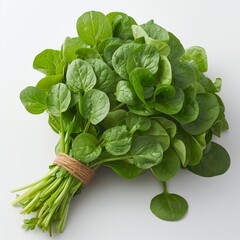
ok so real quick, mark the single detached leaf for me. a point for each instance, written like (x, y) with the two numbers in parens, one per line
(117, 140)
(169, 207)
(58, 99)
(145, 56)
(92, 27)
(169, 166)
(94, 106)
(124, 169)
(80, 76)
(34, 100)
(146, 152)
(208, 113)
(198, 54)
(85, 148)
(47, 61)
(215, 161)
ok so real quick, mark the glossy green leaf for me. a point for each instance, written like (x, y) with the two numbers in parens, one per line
(95, 106)
(135, 122)
(146, 152)
(145, 56)
(58, 99)
(169, 166)
(168, 125)
(119, 59)
(85, 147)
(169, 207)
(117, 140)
(92, 27)
(115, 118)
(181, 150)
(215, 161)
(47, 61)
(125, 93)
(48, 81)
(208, 113)
(198, 54)
(124, 169)
(80, 76)
(33, 99)
(176, 47)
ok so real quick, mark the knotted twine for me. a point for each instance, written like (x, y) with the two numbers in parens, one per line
(80, 171)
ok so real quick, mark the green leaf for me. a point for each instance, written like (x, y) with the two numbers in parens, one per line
(169, 207)
(107, 42)
(34, 100)
(146, 152)
(58, 99)
(119, 59)
(154, 31)
(69, 48)
(125, 93)
(92, 27)
(208, 113)
(184, 74)
(115, 118)
(94, 106)
(145, 56)
(106, 77)
(198, 54)
(54, 123)
(48, 81)
(168, 125)
(85, 148)
(189, 111)
(169, 166)
(159, 133)
(135, 122)
(142, 110)
(176, 48)
(124, 169)
(80, 76)
(215, 161)
(117, 140)
(142, 81)
(121, 25)
(181, 150)
(88, 53)
(47, 61)
(169, 103)
(164, 72)
(109, 52)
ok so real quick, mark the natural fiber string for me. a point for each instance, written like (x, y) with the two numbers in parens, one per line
(74, 167)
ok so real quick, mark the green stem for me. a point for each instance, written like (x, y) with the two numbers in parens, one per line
(87, 126)
(110, 160)
(62, 133)
(118, 106)
(165, 191)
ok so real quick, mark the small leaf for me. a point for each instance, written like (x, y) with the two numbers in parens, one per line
(58, 99)
(169, 207)
(34, 100)
(85, 148)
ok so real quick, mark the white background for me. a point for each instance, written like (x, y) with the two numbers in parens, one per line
(111, 207)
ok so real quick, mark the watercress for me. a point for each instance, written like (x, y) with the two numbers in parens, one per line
(129, 97)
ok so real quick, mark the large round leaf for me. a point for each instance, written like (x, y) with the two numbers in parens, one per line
(94, 106)
(169, 207)
(208, 113)
(215, 161)
(92, 27)
(85, 148)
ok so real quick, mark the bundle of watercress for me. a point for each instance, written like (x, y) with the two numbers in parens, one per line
(129, 97)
